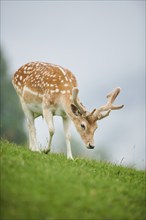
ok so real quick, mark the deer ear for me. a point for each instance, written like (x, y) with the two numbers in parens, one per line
(75, 110)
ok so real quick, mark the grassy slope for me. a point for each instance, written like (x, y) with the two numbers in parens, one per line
(38, 186)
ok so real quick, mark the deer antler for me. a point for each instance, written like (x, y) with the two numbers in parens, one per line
(76, 101)
(98, 114)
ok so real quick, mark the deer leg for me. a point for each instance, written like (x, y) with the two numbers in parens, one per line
(49, 120)
(66, 124)
(31, 127)
(32, 135)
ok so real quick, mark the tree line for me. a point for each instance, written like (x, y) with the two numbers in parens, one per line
(11, 115)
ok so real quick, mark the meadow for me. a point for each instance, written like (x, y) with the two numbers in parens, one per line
(37, 186)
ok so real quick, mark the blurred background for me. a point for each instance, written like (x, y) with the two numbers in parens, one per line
(103, 44)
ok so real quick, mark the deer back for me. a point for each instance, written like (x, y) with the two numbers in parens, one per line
(40, 78)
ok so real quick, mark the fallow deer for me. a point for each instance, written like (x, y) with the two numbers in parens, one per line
(46, 90)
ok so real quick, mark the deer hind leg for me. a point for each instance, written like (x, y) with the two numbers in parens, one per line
(49, 120)
(66, 124)
(31, 127)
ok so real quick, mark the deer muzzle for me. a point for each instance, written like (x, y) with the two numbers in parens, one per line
(90, 146)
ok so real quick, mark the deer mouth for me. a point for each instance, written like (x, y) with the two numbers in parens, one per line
(90, 146)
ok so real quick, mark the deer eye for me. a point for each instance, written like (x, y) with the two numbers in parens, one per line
(83, 126)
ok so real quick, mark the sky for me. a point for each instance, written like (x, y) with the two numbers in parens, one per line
(103, 44)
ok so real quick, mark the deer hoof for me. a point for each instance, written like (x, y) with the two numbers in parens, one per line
(46, 151)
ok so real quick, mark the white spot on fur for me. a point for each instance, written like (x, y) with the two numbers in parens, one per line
(66, 78)
(52, 91)
(57, 90)
(63, 92)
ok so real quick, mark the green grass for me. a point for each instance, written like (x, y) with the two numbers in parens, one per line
(39, 187)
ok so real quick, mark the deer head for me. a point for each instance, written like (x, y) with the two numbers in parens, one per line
(86, 122)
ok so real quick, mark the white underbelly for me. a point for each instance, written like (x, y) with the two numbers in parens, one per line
(34, 103)
(37, 109)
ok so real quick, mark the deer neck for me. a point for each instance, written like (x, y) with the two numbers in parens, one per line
(67, 102)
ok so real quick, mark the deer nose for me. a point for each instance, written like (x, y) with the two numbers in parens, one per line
(90, 146)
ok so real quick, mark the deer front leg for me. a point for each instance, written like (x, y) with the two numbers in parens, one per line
(31, 127)
(49, 120)
(66, 124)
(32, 135)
